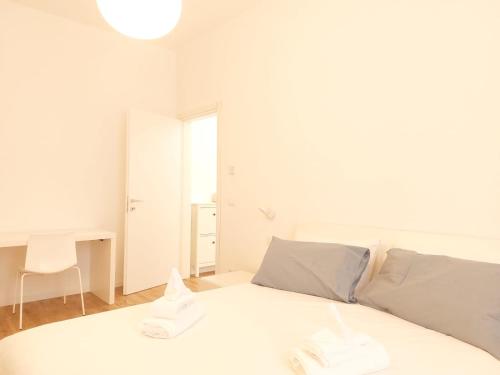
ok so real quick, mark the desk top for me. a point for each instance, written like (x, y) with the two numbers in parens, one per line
(14, 239)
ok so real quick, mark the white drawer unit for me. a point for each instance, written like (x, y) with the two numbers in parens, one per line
(206, 219)
(203, 240)
(206, 249)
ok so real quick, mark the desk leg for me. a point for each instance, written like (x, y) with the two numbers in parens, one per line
(102, 270)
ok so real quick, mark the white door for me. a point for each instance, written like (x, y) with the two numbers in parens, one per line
(153, 213)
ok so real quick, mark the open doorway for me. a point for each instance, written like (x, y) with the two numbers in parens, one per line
(201, 172)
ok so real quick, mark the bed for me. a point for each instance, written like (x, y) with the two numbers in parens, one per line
(248, 329)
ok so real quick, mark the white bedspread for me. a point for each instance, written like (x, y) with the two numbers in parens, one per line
(248, 330)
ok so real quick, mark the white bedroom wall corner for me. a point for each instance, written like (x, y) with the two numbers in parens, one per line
(371, 135)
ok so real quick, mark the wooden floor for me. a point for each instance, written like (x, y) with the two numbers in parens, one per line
(53, 310)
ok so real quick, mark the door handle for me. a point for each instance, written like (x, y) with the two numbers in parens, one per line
(130, 202)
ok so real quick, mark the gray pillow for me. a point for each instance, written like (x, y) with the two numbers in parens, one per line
(320, 269)
(457, 297)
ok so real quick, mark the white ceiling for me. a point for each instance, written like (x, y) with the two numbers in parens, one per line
(198, 16)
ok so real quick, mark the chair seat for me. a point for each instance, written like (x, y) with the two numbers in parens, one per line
(38, 272)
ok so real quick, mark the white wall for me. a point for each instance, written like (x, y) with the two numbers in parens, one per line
(203, 132)
(64, 91)
(380, 113)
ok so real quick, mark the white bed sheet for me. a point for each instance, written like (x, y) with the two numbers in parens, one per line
(248, 330)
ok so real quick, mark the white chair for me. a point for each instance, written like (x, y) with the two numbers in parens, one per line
(48, 254)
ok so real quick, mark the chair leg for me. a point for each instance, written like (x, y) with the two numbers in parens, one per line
(21, 302)
(16, 293)
(81, 289)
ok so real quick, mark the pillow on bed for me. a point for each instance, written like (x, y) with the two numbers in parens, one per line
(320, 269)
(457, 297)
(372, 245)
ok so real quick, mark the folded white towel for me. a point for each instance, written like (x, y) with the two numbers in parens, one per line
(365, 359)
(169, 328)
(351, 353)
(163, 308)
(330, 349)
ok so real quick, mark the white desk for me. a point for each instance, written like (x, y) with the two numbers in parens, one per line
(102, 263)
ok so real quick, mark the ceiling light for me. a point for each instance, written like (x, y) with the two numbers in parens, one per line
(141, 19)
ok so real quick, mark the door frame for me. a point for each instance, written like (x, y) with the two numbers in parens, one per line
(215, 109)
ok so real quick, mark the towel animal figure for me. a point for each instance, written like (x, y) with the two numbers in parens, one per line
(326, 353)
(173, 313)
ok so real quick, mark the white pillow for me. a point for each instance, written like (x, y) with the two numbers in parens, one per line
(372, 245)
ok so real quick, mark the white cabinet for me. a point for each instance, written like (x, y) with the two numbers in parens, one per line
(206, 250)
(203, 240)
(206, 219)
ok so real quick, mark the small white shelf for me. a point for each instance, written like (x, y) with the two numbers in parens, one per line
(203, 238)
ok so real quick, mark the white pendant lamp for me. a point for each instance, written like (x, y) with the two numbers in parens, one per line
(141, 19)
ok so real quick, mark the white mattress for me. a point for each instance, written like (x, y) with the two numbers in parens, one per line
(248, 330)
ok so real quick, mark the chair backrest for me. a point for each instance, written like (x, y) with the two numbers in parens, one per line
(50, 253)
